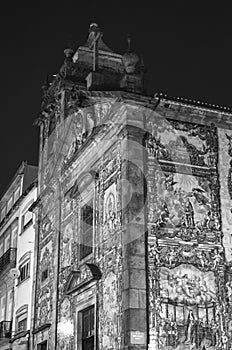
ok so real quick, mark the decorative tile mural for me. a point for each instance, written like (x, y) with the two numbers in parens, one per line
(186, 256)
(225, 171)
(186, 207)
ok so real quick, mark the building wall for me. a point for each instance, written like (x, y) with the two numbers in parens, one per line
(13, 244)
(25, 253)
(6, 282)
(102, 169)
(159, 175)
(189, 233)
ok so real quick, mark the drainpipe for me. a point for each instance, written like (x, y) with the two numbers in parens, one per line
(12, 306)
(28, 340)
(6, 301)
(145, 208)
(58, 265)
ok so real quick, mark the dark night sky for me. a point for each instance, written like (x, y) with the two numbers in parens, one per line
(187, 52)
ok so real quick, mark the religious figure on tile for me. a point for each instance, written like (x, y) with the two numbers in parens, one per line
(190, 328)
(189, 214)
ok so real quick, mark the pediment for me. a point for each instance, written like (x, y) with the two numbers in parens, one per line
(77, 279)
(82, 183)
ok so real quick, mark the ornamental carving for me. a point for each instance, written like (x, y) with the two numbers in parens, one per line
(101, 110)
(111, 215)
(67, 207)
(85, 274)
(65, 327)
(110, 299)
(45, 262)
(74, 99)
(80, 124)
(67, 239)
(44, 306)
(110, 311)
(109, 167)
(134, 194)
(47, 226)
(229, 177)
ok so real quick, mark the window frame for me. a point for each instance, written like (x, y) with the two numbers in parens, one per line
(21, 316)
(26, 262)
(3, 299)
(88, 231)
(24, 213)
(43, 280)
(3, 212)
(41, 345)
(16, 192)
(23, 321)
(9, 203)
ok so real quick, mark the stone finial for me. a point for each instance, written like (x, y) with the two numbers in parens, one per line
(142, 67)
(128, 43)
(94, 27)
(130, 59)
(68, 52)
(46, 83)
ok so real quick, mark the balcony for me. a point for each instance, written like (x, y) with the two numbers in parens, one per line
(5, 329)
(8, 259)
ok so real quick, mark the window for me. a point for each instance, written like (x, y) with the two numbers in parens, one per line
(87, 334)
(21, 319)
(42, 346)
(24, 271)
(14, 232)
(16, 194)
(21, 322)
(7, 240)
(3, 213)
(26, 220)
(9, 305)
(9, 204)
(2, 308)
(86, 231)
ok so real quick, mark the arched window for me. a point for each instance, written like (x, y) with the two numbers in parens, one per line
(21, 319)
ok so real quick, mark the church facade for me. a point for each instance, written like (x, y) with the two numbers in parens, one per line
(133, 230)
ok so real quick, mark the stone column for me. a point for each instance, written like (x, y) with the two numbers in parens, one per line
(134, 283)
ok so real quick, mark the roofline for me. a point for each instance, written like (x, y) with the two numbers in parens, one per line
(34, 184)
(194, 103)
(18, 172)
(152, 98)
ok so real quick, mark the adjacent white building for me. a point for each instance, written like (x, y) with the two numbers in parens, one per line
(16, 258)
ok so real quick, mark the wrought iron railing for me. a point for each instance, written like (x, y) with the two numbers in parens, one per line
(8, 259)
(5, 329)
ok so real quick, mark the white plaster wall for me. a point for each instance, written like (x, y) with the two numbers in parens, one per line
(25, 243)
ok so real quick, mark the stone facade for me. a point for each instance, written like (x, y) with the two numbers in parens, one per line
(133, 238)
